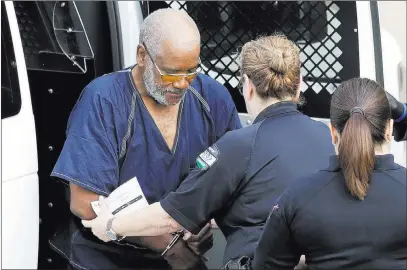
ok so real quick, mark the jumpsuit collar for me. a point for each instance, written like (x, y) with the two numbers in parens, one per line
(382, 162)
(276, 109)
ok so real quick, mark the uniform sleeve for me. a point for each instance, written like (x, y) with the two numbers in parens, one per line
(400, 131)
(89, 157)
(209, 187)
(276, 248)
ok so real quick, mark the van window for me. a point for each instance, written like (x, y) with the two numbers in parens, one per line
(53, 36)
(10, 89)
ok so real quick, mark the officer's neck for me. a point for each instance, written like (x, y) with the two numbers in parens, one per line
(262, 104)
(379, 149)
(382, 149)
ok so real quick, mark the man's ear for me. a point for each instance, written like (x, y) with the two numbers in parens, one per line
(334, 133)
(141, 56)
(389, 130)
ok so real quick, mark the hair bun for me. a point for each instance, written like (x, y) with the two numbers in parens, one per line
(278, 62)
(273, 65)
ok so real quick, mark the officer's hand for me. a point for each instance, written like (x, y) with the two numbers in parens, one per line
(99, 224)
(202, 242)
(396, 106)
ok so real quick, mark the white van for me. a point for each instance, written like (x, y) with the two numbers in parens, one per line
(52, 49)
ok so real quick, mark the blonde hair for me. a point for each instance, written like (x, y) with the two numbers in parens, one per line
(273, 65)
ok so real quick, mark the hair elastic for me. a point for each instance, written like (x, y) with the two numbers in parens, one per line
(403, 115)
(357, 110)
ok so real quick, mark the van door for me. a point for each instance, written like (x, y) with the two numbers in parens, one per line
(20, 194)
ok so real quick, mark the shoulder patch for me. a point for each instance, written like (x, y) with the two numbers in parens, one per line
(207, 158)
(214, 150)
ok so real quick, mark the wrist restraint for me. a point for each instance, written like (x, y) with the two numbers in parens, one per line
(174, 240)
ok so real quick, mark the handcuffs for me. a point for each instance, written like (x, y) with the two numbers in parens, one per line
(177, 236)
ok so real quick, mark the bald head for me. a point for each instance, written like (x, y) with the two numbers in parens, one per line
(169, 30)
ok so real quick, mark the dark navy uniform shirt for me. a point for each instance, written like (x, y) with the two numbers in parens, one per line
(240, 177)
(318, 217)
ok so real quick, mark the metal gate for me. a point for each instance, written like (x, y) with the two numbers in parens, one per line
(325, 32)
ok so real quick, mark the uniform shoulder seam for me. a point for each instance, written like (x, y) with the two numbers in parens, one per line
(254, 136)
(393, 178)
(304, 205)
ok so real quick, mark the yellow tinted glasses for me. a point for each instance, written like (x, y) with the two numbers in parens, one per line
(172, 78)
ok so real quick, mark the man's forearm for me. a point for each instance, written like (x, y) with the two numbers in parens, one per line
(80, 202)
(155, 243)
(150, 221)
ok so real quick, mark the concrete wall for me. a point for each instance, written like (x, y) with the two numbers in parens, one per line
(393, 18)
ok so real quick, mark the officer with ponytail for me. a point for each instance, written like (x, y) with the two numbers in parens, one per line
(352, 214)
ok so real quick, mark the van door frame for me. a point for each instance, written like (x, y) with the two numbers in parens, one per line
(20, 193)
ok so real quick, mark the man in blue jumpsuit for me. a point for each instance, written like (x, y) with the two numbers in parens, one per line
(150, 121)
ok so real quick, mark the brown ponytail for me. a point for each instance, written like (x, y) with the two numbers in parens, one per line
(359, 112)
(356, 155)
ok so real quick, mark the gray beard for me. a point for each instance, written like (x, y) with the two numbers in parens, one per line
(155, 90)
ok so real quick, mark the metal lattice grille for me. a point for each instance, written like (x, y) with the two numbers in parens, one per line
(31, 41)
(53, 36)
(314, 26)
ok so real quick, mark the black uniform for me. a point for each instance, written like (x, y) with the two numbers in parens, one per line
(241, 176)
(400, 131)
(319, 218)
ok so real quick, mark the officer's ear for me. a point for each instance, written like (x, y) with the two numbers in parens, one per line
(334, 134)
(300, 83)
(389, 130)
(250, 88)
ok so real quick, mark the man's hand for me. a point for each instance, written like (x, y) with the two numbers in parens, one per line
(180, 256)
(202, 242)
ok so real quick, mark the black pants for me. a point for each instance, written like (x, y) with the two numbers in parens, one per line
(85, 251)
(139, 264)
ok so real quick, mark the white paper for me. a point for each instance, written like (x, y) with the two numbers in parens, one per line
(126, 198)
